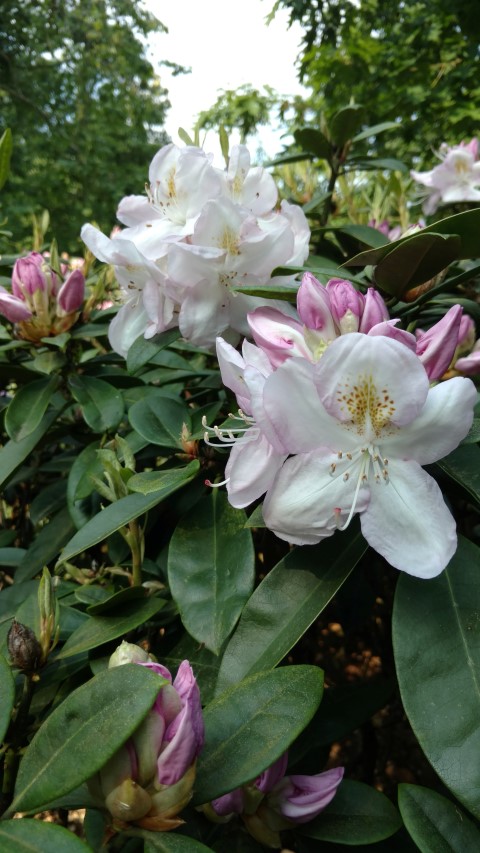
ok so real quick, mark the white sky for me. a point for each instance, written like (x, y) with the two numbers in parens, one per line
(227, 44)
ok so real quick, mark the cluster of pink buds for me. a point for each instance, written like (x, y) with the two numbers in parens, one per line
(43, 303)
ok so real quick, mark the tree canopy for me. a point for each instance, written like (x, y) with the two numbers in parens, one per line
(85, 107)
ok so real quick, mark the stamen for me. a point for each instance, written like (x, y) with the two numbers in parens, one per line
(216, 485)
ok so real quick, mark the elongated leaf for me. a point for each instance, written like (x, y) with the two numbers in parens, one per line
(463, 466)
(314, 141)
(345, 123)
(436, 636)
(374, 130)
(28, 407)
(168, 842)
(363, 233)
(160, 419)
(211, 569)
(102, 404)
(436, 824)
(82, 726)
(120, 513)
(142, 350)
(249, 726)
(357, 815)
(35, 836)
(46, 546)
(98, 630)
(7, 692)
(286, 603)
(415, 261)
(6, 146)
(14, 452)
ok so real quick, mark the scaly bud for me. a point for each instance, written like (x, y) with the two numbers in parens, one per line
(23, 647)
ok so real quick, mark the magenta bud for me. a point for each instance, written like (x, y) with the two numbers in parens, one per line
(71, 294)
(436, 347)
(346, 304)
(13, 308)
(313, 305)
(28, 275)
(374, 310)
(301, 798)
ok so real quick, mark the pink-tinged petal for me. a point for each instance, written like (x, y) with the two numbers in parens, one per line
(241, 305)
(251, 468)
(181, 751)
(388, 328)
(273, 775)
(313, 304)
(229, 804)
(346, 303)
(13, 308)
(307, 503)
(301, 232)
(28, 275)
(187, 688)
(205, 313)
(130, 322)
(440, 427)
(469, 364)
(466, 333)
(436, 347)
(408, 523)
(255, 357)
(360, 372)
(72, 292)
(232, 367)
(374, 311)
(301, 798)
(292, 415)
(280, 336)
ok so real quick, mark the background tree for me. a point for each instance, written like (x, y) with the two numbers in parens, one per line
(416, 63)
(85, 107)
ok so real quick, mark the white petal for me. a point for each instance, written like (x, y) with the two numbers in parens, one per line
(130, 322)
(306, 503)
(232, 366)
(408, 523)
(204, 313)
(443, 422)
(359, 372)
(251, 468)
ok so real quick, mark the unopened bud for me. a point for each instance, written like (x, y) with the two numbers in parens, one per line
(71, 294)
(128, 653)
(23, 647)
(128, 801)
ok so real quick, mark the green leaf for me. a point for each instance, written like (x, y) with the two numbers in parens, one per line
(357, 815)
(473, 436)
(313, 141)
(168, 842)
(436, 637)
(28, 407)
(35, 836)
(374, 130)
(285, 292)
(211, 569)
(436, 824)
(118, 599)
(160, 419)
(463, 466)
(98, 630)
(142, 350)
(7, 692)
(14, 452)
(49, 361)
(363, 233)
(6, 145)
(102, 404)
(415, 261)
(82, 726)
(286, 603)
(46, 545)
(345, 124)
(10, 557)
(251, 725)
(118, 514)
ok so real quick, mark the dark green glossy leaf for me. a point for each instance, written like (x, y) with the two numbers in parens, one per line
(14, 452)
(82, 726)
(436, 636)
(313, 141)
(49, 501)
(286, 603)
(143, 350)
(211, 569)
(168, 842)
(374, 130)
(98, 630)
(10, 557)
(357, 815)
(473, 436)
(118, 514)
(345, 124)
(28, 407)
(363, 233)
(118, 599)
(102, 404)
(415, 261)
(463, 466)
(35, 836)
(250, 725)
(204, 664)
(7, 692)
(436, 824)
(160, 419)
(285, 292)
(46, 546)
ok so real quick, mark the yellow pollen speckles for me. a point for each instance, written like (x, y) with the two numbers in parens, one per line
(366, 406)
(171, 187)
(229, 241)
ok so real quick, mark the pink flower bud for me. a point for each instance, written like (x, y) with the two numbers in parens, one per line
(28, 275)
(389, 329)
(436, 347)
(466, 333)
(374, 310)
(13, 308)
(71, 294)
(313, 305)
(277, 334)
(469, 365)
(346, 304)
(301, 798)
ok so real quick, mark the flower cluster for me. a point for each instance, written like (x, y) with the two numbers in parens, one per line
(455, 179)
(150, 779)
(43, 302)
(274, 802)
(198, 235)
(338, 417)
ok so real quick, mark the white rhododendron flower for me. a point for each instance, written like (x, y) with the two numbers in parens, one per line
(455, 179)
(198, 235)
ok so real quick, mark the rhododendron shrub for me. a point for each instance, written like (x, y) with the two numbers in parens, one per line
(239, 558)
